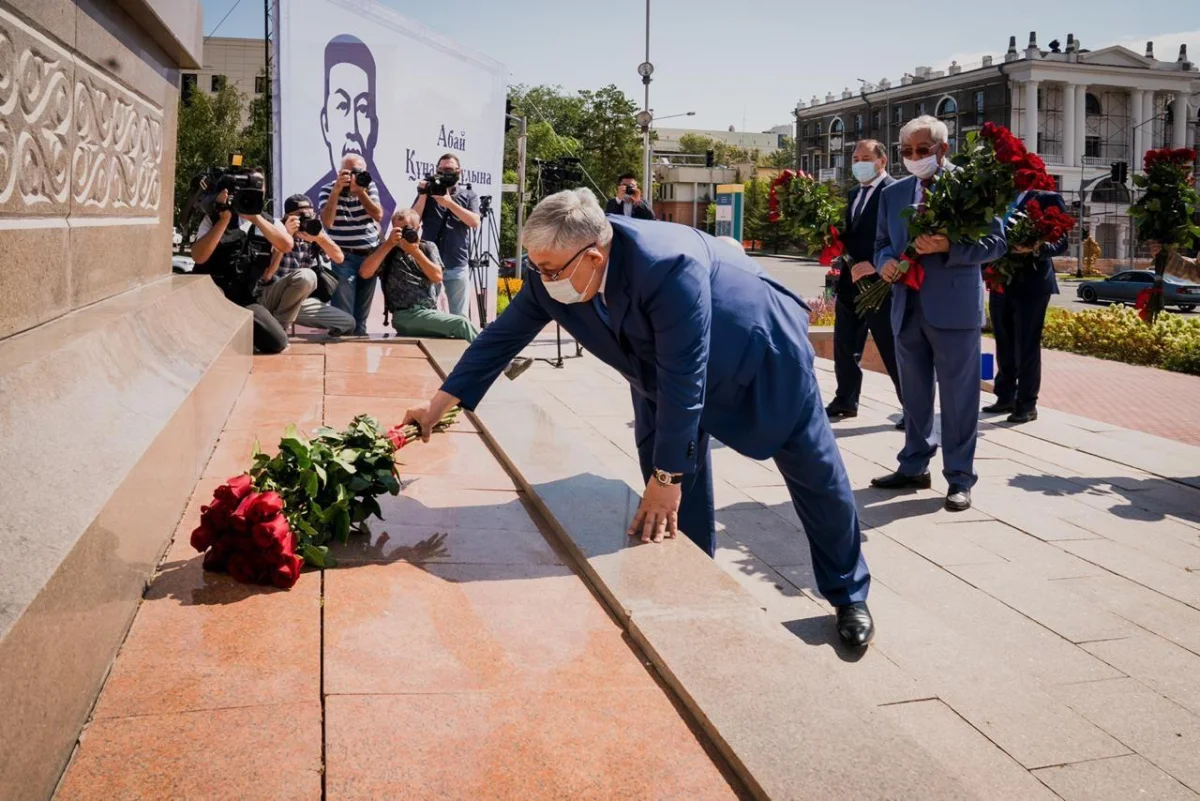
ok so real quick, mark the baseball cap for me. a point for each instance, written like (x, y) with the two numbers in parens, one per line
(295, 203)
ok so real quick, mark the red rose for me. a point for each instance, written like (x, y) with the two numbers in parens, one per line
(203, 537)
(272, 534)
(1034, 162)
(240, 521)
(217, 556)
(397, 438)
(241, 568)
(286, 574)
(235, 489)
(264, 507)
(216, 515)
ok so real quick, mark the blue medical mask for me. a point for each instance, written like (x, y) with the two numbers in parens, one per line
(564, 291)
(864, 171)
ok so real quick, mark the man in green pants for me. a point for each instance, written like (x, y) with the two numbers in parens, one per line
(410, 268)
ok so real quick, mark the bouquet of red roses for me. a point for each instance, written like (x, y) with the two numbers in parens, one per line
(990, 170)
(1165, 214)
(263, 525)
(1031, 228)
(811, 212)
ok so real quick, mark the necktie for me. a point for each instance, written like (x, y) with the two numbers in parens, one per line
(602, 310)
(862, 202)
(925, 184)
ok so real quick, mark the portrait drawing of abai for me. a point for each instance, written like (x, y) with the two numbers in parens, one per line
(349, 121)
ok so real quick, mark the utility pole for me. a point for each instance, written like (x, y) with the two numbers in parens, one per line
(522, 141)
(645, 118)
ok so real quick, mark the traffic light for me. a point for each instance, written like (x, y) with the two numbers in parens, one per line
(1119, 172)
(507, 116)
(708, 158)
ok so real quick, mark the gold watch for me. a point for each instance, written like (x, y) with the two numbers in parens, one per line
(667, 479)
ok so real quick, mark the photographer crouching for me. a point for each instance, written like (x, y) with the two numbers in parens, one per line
(351, 213)
(297, 285)
(448, 222)
(236, 255)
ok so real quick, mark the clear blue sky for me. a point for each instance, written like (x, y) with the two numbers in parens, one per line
(756, 58)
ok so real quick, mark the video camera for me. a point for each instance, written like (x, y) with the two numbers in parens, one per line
(485, 205)
(558, 174)
(440, 183)
(247, 194)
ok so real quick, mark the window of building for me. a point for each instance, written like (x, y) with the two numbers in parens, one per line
(260, 84)
(1039, 99)
(947, 108)
(816, 162)
(835, 127)
(858, 123)
(217, 82)
(876, 120)
(1170, 116)
(804, 163)
(1091, 147)
(187, 87)
(920, 108)
(1091, 105)
(806, 129)
(818, 129)
(898, 114)
(979, 108)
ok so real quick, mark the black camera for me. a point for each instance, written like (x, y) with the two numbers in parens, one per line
(311, 224)
(629, 190)
(410, 234)
(441, 183)
(247, 195)
(361, 177)
(485, 204)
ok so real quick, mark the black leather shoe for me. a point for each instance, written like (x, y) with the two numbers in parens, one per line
(901, 481)
(1000, 408)
(958, 499)
(900, 424)
(854, 625)
(1023, 417)
(836, 412)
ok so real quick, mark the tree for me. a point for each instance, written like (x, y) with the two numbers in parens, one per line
(782, 159)
(210, 130)
(255, 145)
(724, 154)
(755, 210)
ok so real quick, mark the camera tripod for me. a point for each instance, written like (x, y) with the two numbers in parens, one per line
(484, 245)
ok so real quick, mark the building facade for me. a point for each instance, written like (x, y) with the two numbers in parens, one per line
(682, 192)
(1079, 110)
(228, 60)
(764, 143)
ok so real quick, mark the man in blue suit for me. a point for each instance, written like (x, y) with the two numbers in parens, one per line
(937, 327)
(849, 329)
(711, 347)
(1018, 315)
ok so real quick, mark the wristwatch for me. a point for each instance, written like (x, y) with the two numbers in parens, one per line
(667, 479)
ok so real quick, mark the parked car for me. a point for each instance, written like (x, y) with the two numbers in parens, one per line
(176, 237)
(1124, 287)
(182, 264)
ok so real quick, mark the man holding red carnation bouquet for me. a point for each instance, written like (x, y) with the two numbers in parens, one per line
(937, 314)
(1020, 288)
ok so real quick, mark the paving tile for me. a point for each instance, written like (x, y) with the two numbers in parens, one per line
(376, 358)
(1029, 552)
(458, 628)
(1118, 779)
(422, 384)
(1161, 665)
(341, 409)
(1163, 732)
(289, 364)
(944, 544)
(435, 502)
(983, 768)
(1046, 602)
(741, 471)
(202, 641)
(767, 535)
(462, 455)
(986, 686)
(269, 413)
(974, 615)
(1156, 574)
(528, 745)
(421, 544)
(255, 752)
(1173, 542)
(764, 694)
(1166, 617)
(234, 452)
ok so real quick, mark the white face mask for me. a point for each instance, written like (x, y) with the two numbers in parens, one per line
(922, 168)
(564, 291)
(864, 171)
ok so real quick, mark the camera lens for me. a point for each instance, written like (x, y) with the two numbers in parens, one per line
(410, 234)
(311, 226)
(362, 178)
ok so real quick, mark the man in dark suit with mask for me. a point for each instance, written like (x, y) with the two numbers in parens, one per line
(849, 330)
(1018, 314)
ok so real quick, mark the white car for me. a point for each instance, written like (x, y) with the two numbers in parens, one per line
(182, 264)
(176, 237)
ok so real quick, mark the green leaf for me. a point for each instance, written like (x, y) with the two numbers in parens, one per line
(314, 555)
(311, 485)
(391, 485)
(319, 469)
(358, 484)
(347, 466)
(372, 505)
(341, 524)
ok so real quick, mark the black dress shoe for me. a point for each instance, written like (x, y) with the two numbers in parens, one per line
(1000, 408)
(958, 499)
(1023, 417)
(901, 481)
(900, 424)
(837, 412)
(854, 624)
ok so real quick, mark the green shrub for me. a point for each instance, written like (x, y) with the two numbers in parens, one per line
(1117, 333)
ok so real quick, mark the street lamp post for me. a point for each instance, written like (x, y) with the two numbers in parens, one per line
(646, 69)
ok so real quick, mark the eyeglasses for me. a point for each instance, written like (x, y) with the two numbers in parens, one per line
(552, 275)
(924, 151)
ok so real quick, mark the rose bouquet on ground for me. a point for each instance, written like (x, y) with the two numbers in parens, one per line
(1165, 214)
(990, 170)
(1031, 228)
(810, 211)
(263, 525)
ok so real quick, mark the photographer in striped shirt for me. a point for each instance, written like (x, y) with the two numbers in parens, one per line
(351, 213)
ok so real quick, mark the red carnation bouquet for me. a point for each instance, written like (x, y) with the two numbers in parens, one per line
(1032, 228)
(262, 526)
(990, 170)
(1165, 214)
(810, 211)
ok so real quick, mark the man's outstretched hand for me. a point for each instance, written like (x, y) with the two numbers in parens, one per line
(428, 415)
(658, 513)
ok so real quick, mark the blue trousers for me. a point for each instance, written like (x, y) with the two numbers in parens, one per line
(816, 479)
(951, 357)
(354, 294)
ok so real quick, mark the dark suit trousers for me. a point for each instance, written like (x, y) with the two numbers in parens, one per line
(849, 340)
(816, 479)
(1017, 323)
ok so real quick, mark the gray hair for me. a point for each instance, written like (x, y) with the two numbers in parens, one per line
(566, 221)
(938, 131)
(354, 160)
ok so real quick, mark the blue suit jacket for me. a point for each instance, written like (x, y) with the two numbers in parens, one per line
(952, 294)
(697, 329)
(1040, 279)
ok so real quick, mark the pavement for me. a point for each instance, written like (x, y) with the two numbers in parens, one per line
(1043, 645)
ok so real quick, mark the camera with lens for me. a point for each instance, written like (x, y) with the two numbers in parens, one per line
(410, 234)
(440, 183)
(247, 195)
(361, 177)
(485, 204)
(629, 190)
(310, 224)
